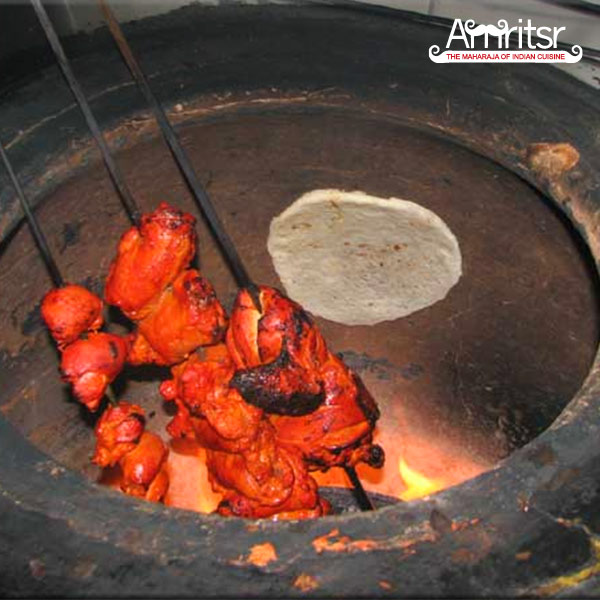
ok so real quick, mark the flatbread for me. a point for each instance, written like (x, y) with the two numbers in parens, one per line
(359, 260)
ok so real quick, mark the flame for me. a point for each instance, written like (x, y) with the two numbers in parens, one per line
(417, 484)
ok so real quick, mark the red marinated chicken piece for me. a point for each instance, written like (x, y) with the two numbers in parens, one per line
(70, 311)
(339, 432)
(277, 352)
(266, 480)
(186, 316)
(145, 469)
(117, 433)
(257, 476)
(282, 358)
(91, 364)
(149, 258)
(141, 455)
(176, 309)
(203, 388)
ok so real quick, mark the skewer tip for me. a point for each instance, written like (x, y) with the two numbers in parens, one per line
(363, 500)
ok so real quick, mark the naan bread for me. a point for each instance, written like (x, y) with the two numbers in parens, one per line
(359, 260)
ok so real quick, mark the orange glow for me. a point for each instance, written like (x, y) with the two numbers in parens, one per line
(418, 466)
(432, 468)
(189, 486)
(419, 462)
(417, 484)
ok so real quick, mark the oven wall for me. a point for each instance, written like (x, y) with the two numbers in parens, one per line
(580, 17)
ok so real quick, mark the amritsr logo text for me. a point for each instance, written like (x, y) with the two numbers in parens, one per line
(529, 44)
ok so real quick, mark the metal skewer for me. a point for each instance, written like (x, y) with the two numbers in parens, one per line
(38, 234)
(362, 499)
(202, 199)
(40, 240)
(199, 193)
(127, 199)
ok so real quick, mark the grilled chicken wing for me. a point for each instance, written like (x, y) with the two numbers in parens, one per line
(149, 258)
(90, 365)
(186, 316)
(69, 312)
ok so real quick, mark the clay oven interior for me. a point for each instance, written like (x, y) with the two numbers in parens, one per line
(493, 386)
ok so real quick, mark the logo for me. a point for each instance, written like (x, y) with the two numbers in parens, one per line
(534, 44)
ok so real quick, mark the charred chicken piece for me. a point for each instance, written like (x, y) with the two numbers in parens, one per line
(257, 476)
(339, 432)
(69, 312)
(117, 433)
(187, 315)
(145, 468)
(268, 348)
(91, 364)
(149, 258)
(277, 353)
